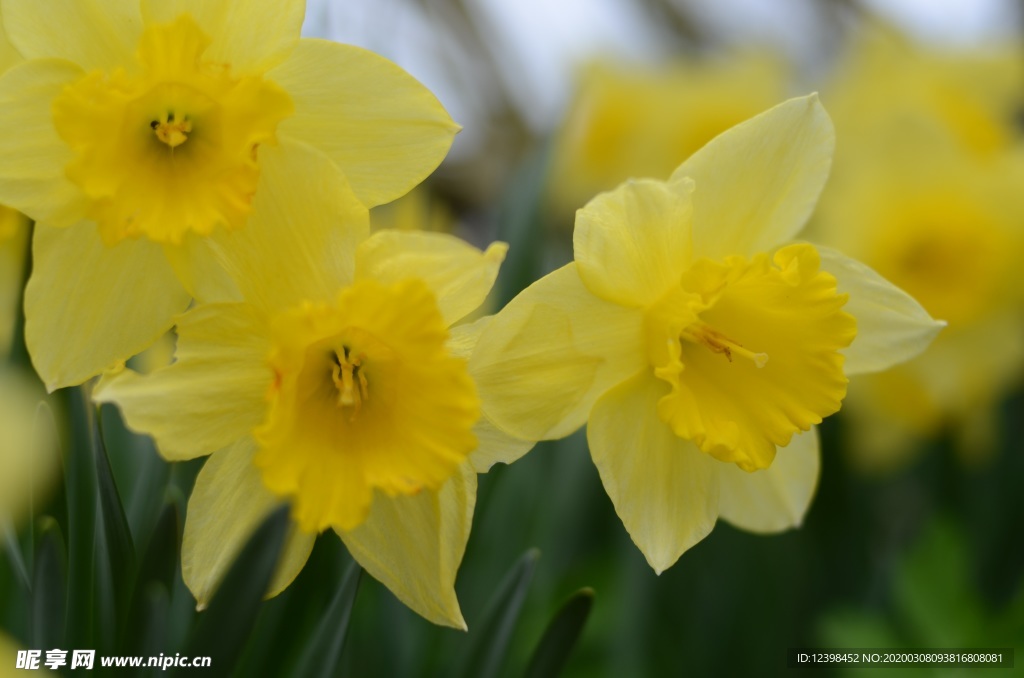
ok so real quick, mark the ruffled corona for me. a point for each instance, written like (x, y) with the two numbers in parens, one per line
(751, 348)
(170, 146)
(366, 396)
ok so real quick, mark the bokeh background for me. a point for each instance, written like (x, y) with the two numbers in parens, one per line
(916, 536)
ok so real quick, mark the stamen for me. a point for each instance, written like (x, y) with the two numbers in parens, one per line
(346, 374)
(716, 342)
(172, 133)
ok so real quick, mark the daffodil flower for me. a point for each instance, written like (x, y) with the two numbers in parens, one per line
(28, 452)
(135, 135)
(335, 385)
(926, 190)
(699, 342)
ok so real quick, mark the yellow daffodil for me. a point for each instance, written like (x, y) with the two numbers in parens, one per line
(14, 233)
(926, 190)
(28, 459)
(699, 342)
(636, 121)
(336, 385)
(136, 133)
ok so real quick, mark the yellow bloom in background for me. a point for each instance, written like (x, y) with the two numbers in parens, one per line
(137, 138)
(14, 231)
(417, 210)
(642, 121)
(28, 447)
(699, 342)
(926, 190)
(336, 385)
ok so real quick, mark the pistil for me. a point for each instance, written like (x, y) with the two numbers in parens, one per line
(716, 342)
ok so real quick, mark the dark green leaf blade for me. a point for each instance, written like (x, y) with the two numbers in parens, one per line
(323, 652)
(49, 581)
(559, 639)
(490, 640)
(223, 629)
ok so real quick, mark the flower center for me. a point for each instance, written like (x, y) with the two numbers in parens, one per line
(168, 145)
(716, 342)
(740, 408)
(171, 131)
(353, 388)
(366, 397)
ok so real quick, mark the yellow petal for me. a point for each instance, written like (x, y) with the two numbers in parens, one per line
(213, 394)
(95, 34)
(546, 357)
(8, 54)
(384, 129)
(632, 244)
(228, 503)
(664, 488)
(414, 545)
(32, 156)
(891, 326)
(89, 306)
(763, 360)
(758, 182)
(196, 263)
(305, 225)
(460, 275)
(775, 498)
(250, 35)
(494, 446)
(14, 235)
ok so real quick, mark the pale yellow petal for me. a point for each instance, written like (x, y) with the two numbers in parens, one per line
(198, 265)
(92, 33)
(14, 235)
(414, 545)
(299, 244)
(891, 326)
(32, 156)
(776, 498)
(758, 182)
(249, 35)
(494, 445)
(546, 357)
(459, 275)
(89, 306)
(212, 394)
(633, 243)
(8, 657)
(8, 54)
(228, 503)
(664, 488)
(384, 129)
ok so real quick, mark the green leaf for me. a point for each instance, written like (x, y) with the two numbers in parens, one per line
(14, 556)
(114, 522)
(560, 637)
(81, 493)
(222, 630)
(490, 640)
(323, 652)
(156, 572)
(49, 595)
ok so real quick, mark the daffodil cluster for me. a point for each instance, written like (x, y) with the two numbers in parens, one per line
(197, 166)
